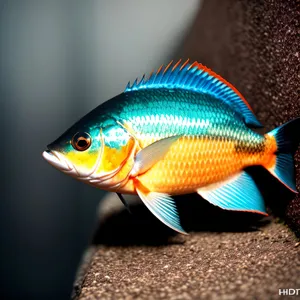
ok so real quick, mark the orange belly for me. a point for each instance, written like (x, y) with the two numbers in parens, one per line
(194, 162)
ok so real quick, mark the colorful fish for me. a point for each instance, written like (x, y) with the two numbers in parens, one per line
(184, 129)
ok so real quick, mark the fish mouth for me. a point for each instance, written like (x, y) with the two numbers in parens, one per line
(56, 160)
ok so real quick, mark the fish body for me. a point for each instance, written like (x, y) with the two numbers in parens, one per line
(183, 130)
(214, 141)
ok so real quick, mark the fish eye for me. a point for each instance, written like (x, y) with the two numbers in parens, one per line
(81, 141)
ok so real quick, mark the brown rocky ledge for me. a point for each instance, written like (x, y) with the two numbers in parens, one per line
(134, 256)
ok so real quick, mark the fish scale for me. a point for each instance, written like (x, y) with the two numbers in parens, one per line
(213, 161)
(176, 112)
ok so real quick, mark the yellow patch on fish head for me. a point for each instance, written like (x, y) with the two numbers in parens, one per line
(113, 158)
(76, 153)
(83, 161)
(84, 152)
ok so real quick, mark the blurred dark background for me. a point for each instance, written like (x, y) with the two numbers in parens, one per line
(59, 60)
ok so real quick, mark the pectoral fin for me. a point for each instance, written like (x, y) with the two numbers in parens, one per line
(239, 193)
(150, 155)
(162, 206)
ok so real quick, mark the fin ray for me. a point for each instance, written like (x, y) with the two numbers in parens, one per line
(198, 78)
(284, 170)
(239, 193)
(162, 206)
(287, 140)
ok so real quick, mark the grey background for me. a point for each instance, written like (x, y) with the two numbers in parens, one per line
(58, 60)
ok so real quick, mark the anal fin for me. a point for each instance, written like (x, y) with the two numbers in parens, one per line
(239, 193)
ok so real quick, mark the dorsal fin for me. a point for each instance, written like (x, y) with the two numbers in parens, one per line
(197, 78)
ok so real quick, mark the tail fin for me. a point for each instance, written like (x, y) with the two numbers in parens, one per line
(287, 138)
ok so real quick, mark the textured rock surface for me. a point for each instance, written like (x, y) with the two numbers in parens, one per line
(254, 45)
(204, 265)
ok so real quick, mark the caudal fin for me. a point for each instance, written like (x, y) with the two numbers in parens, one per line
(287, 138)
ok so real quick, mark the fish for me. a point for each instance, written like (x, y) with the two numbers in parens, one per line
(183, 129)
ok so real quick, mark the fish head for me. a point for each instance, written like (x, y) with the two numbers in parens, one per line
(94, 153)
(77, 151)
